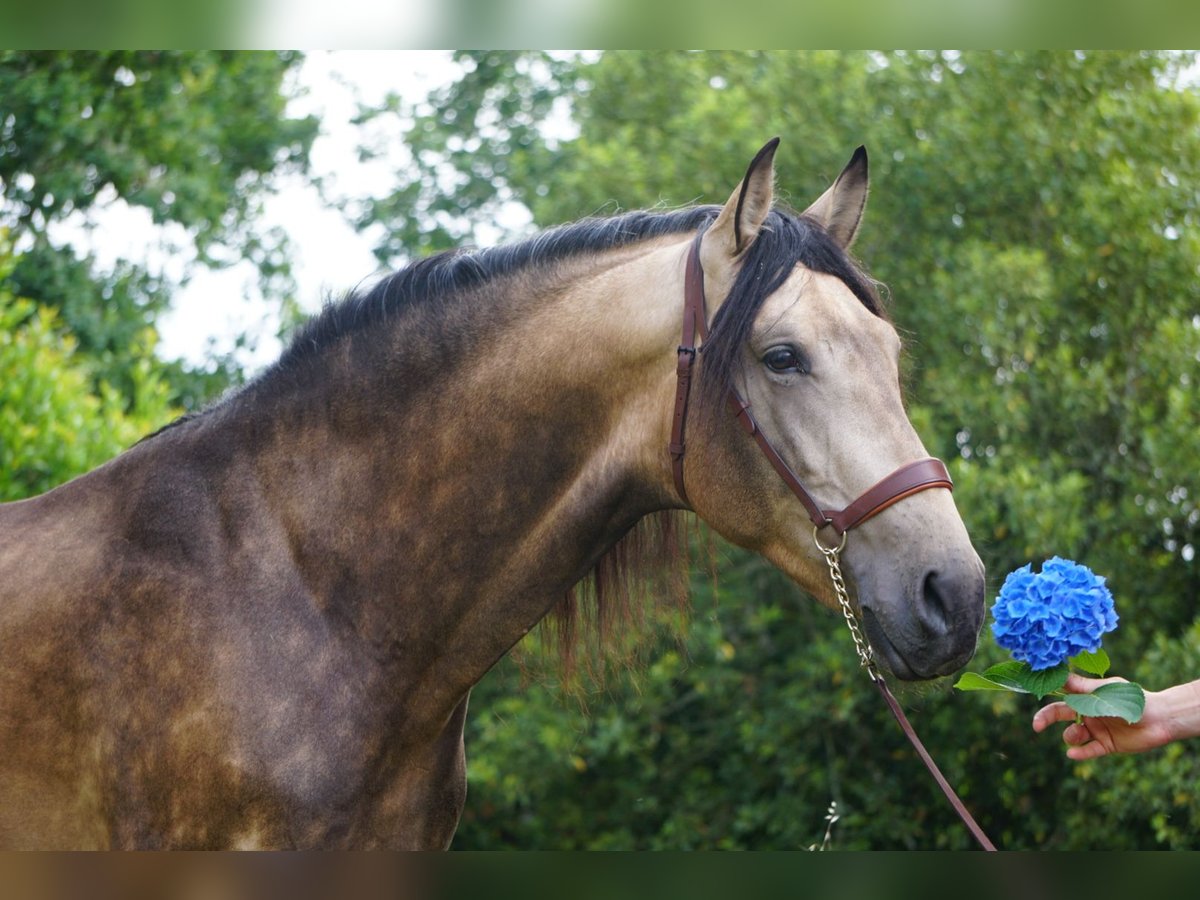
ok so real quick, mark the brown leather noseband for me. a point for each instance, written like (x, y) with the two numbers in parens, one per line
(907, 480)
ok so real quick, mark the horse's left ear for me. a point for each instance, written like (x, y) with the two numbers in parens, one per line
(841, 207)
(739, 221)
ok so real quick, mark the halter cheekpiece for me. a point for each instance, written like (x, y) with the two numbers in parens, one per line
(907, 480)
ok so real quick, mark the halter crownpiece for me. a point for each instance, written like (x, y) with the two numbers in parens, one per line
(907, 480)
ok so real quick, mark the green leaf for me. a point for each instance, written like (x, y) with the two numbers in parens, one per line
(973, 681)
(1122, 699)
(1015, 676)
(1093, 663)
(1011, 674)
(1046, 681)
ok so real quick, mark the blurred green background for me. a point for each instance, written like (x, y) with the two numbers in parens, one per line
(1034, 217)
(588, 23)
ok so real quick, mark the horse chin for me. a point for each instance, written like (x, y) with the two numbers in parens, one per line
(904, 667)
(883, 647)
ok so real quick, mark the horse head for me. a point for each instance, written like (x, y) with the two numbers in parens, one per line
(798, 336)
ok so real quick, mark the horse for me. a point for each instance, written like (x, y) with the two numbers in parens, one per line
(259, 627)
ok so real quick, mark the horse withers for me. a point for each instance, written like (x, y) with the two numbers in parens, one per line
(260, 626)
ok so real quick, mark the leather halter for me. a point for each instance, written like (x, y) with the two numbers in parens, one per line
(907, 480)
(904, 482)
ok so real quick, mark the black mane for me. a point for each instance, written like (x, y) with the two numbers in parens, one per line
(452, 272)
(786, 239)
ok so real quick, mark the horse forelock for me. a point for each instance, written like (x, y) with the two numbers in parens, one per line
(786, 240)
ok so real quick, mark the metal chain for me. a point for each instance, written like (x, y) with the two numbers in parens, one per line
(866, 656)
(832, 556)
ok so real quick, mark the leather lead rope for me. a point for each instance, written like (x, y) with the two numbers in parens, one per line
(866, 656)
(951, 795)
(909, 479)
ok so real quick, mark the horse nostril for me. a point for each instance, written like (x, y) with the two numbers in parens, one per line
(934, 605)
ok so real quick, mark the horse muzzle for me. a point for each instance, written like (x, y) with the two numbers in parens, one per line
(930, 630)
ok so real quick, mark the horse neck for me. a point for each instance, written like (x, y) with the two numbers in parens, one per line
(442, 513)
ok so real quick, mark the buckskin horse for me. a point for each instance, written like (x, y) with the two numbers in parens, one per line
(259, 627)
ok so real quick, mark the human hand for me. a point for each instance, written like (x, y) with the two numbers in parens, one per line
(1096, 736)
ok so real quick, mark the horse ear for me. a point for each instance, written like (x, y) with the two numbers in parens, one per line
(742, 217)
(840, 208)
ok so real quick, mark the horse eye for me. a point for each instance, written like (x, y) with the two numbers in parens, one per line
(785, 359)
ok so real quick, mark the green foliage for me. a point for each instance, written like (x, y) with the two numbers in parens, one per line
(1124, 700)
(193, 137)
(188, 135)
(484, 128)
(52, 425)
(1034, 215)
(1019, 677)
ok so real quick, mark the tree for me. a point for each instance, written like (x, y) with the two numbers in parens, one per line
(1033, 214)
(194, 137)
(53, 424)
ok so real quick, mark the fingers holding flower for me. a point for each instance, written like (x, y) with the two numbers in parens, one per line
(1090, 737)
(1053, 622)
(1060, 712)
(1088, 744)
(1087, 739)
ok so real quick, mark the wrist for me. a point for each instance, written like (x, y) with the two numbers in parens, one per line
(1182, 709)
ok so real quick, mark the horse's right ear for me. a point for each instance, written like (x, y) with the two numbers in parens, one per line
(840, 208)
(739, 222)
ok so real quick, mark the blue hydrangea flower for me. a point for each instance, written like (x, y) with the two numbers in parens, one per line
(1046, 618)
